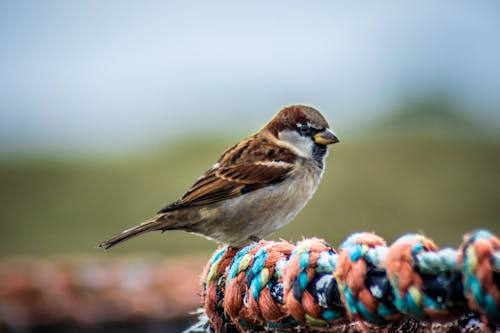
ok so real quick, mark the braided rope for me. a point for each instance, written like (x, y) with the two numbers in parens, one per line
(278, 286)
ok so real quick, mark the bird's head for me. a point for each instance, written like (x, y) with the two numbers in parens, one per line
(303, 130)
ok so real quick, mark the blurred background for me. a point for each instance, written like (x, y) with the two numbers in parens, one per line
(110, 110)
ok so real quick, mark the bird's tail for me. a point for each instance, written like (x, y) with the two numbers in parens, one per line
(156, 223)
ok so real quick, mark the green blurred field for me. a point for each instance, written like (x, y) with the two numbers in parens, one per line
(442, 187)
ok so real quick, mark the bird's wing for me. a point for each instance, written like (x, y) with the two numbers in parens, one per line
(252, 164)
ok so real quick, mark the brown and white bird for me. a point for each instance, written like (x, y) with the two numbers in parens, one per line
(256, 187)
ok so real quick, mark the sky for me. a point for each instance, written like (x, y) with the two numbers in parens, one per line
(96, 76)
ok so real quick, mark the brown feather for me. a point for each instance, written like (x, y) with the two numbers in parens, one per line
(290, 116)
(246, 167)
(157, 223)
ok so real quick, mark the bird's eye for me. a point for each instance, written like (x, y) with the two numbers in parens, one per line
(305, 129)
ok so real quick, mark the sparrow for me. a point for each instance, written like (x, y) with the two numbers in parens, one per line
(256, 187)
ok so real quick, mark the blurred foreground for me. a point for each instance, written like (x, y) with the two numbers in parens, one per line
(94, 295)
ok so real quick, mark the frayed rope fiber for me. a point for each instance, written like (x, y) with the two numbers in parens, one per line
(278, 286)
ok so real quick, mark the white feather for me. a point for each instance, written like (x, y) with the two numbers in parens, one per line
(300, 145)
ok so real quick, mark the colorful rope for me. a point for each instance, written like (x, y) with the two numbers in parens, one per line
(479, 257)
(277, 286)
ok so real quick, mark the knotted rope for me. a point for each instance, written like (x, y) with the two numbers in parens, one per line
(278, 286)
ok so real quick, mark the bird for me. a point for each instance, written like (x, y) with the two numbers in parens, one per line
(256, 187)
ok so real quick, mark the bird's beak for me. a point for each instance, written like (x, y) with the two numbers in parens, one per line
(326, 137)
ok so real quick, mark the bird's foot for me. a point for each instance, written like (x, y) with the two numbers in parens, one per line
(254, 239)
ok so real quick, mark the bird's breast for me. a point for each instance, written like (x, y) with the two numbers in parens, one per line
(263, 211)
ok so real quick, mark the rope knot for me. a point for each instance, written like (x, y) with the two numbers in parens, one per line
(361, 276)
(479, 255)
(308, 284)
